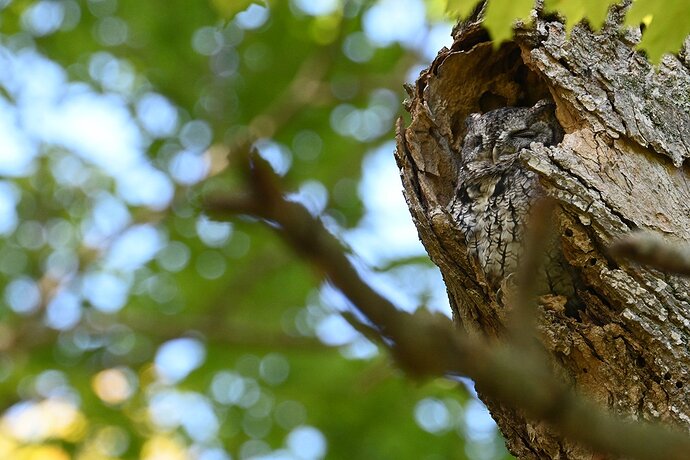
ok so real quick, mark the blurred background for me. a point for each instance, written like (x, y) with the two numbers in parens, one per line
(132, 326)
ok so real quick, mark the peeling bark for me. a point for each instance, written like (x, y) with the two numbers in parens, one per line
(621, 167)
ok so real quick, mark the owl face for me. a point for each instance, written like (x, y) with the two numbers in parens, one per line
(496, 136)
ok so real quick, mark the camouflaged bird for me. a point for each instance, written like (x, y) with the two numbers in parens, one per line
(495, 192)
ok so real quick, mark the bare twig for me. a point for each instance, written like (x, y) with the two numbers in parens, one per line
(651, 249)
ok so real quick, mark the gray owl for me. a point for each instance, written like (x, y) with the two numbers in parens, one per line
(495, 192)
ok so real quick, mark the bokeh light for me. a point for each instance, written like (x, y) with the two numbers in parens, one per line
(133, 324)
(114, 386)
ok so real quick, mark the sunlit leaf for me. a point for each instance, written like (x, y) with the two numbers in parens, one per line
(667, 25)
(460, 8)
(502, 14)
(437, 9)
(575, 11)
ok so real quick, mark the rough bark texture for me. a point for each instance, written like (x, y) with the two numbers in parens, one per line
(621, 166)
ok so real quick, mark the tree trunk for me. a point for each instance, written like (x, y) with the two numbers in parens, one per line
(619, 168)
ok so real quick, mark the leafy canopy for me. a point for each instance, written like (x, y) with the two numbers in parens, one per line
(666, 23)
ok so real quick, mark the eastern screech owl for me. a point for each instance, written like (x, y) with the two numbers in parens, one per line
(495, 192)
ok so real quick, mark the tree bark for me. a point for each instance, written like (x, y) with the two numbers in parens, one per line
(620, 167)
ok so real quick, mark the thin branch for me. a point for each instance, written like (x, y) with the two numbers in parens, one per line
(426, 344)
(523, 324)
(651, 249)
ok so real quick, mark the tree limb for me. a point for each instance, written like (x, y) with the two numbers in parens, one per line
(425, 344)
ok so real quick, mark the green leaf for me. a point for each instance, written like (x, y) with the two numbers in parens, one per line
(594, 11)
(460, 8)
(501, 14)
(668, 23)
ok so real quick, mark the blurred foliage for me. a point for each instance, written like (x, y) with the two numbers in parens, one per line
(132, 326)
(666, 23)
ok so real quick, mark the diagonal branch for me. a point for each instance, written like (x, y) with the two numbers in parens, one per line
(651, 249)
(424, 344)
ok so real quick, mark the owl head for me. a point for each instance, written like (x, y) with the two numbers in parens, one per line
(494, 137)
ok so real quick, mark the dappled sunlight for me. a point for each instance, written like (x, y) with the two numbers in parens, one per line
(136, 325)
(164, 448)
(52, 418)
(114, 386)
(177, 358)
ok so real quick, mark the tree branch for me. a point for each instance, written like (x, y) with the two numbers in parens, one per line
(426, 344)
(651, 249)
